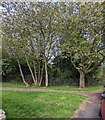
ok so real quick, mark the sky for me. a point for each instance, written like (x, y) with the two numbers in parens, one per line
(50, 0)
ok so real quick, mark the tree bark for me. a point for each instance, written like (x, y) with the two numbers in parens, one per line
(35, 72)
(46, 71)
(82, 79)
(24, 81)
(41, 74)
(31, 71)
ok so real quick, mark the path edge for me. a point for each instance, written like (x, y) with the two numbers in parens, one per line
(80, 108)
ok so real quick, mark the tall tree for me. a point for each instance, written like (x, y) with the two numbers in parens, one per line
(84, 38)
(47, 19)
(32, 31)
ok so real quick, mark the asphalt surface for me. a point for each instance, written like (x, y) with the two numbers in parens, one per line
(88, 109)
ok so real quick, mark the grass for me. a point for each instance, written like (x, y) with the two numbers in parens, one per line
(40, 105)
(71, 88)
(13, 85)
(74, 88)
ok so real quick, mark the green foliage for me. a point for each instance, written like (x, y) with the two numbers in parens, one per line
(99, 73)
(9, 66)
(39, 31)
(63, 72)
(63, 66)
(83, 40)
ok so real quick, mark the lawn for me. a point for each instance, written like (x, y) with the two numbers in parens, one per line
(40, 105)
(13, 85)
(71, 88)
(75, 88)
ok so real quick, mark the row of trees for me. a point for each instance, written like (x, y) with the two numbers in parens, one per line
(35, 33)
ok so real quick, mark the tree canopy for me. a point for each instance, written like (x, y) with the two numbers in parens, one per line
(37, 32)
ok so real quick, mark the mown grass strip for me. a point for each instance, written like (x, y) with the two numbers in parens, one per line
(40, 105)
(70, 88)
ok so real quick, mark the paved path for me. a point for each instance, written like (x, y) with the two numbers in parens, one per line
(42, 90)
(88, 109)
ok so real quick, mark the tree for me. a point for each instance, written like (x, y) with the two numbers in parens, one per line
(83, 38)
(12, 34)
(31, 29)
(47, 21)
(32, 32)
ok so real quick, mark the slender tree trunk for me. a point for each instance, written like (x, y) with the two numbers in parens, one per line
(31, 71)
(82, 79)
(22, 74)
(35, 72)
(41, 74)
(46, 71)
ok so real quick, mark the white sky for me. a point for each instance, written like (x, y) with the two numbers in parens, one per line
(50, 0)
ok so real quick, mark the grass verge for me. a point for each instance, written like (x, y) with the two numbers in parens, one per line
(40, 105)
(71, 88)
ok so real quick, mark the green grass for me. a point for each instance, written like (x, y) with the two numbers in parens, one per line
(13, 85)
(71, 88)
(75, 88)
(40, 105)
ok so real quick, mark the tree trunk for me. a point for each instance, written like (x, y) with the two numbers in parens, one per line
(35, 72)
(46, 71)
(31, 71)
(41, 74)
(82, 79)
(22, 74)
